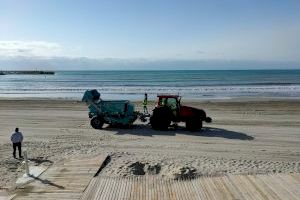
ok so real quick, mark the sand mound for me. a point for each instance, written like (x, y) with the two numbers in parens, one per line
(137, 168)
(154, 169)
(140, 168)
(184, 173)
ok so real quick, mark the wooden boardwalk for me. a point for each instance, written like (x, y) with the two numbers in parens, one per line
(74, 179)
(65, 180)
(254, 187)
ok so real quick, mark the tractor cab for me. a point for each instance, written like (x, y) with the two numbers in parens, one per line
(168, 100)
(171, 102)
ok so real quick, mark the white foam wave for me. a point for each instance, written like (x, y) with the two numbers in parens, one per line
(133, 92)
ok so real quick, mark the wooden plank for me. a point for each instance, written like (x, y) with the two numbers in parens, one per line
(99, 192)
(285, 188)
(153, 187)
(167, 189)
(113, 187)
(107, 187)
(145, 189)
(277, 189)
(238, 187)
(189, 194)
(181, 190)
(124, 194)
(128, 188)
(96, 187)
(224, 192)
(196, 189)
(268, 191)
(87, 192)
(294, 185)
(122, 189)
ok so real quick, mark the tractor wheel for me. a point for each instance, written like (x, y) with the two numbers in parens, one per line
(154, 122)
(161, 119)
(193, 125)
(97, 122)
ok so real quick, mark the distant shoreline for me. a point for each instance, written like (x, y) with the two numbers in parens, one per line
(27, 72)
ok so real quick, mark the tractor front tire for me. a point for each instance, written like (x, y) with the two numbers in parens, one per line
(97, 122)
(161, 119)
(193, 125)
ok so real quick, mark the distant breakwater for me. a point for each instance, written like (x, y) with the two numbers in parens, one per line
(27, 72)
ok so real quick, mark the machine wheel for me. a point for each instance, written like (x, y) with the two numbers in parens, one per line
(161, 119)
(193, 125)
(97, 122)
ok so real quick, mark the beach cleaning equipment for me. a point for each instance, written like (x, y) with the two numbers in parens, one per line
(169, 109)
(112, 112)
(122, 113)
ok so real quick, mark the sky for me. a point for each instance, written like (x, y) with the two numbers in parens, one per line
(94, 31)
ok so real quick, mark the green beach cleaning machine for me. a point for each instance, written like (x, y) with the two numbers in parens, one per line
(112, 112)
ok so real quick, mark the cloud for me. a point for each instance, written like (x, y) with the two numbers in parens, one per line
(83, 63)
(29, 48)
(200, 52)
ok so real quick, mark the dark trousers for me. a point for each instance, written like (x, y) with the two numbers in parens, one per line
(19, 145)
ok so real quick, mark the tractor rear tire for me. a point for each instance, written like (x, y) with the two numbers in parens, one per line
(193, 125)
(97, 122)
(161, 119)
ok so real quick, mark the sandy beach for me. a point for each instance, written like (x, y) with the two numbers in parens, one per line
(246, 137)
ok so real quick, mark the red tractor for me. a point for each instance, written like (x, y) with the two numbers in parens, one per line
(169, 109)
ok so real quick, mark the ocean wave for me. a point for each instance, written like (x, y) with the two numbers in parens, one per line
(132, 84)
(195, 92)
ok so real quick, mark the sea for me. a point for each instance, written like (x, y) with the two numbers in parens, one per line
(131, 85)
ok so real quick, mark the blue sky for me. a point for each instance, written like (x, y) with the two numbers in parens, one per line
(258, 30)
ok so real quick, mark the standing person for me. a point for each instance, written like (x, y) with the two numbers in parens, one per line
(145, 102)
(17, 139)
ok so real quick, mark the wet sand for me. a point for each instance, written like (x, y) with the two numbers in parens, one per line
(246, 137)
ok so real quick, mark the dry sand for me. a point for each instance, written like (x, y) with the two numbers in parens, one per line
(245, 137)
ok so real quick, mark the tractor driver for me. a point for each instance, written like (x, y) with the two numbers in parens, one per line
(162, 102)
